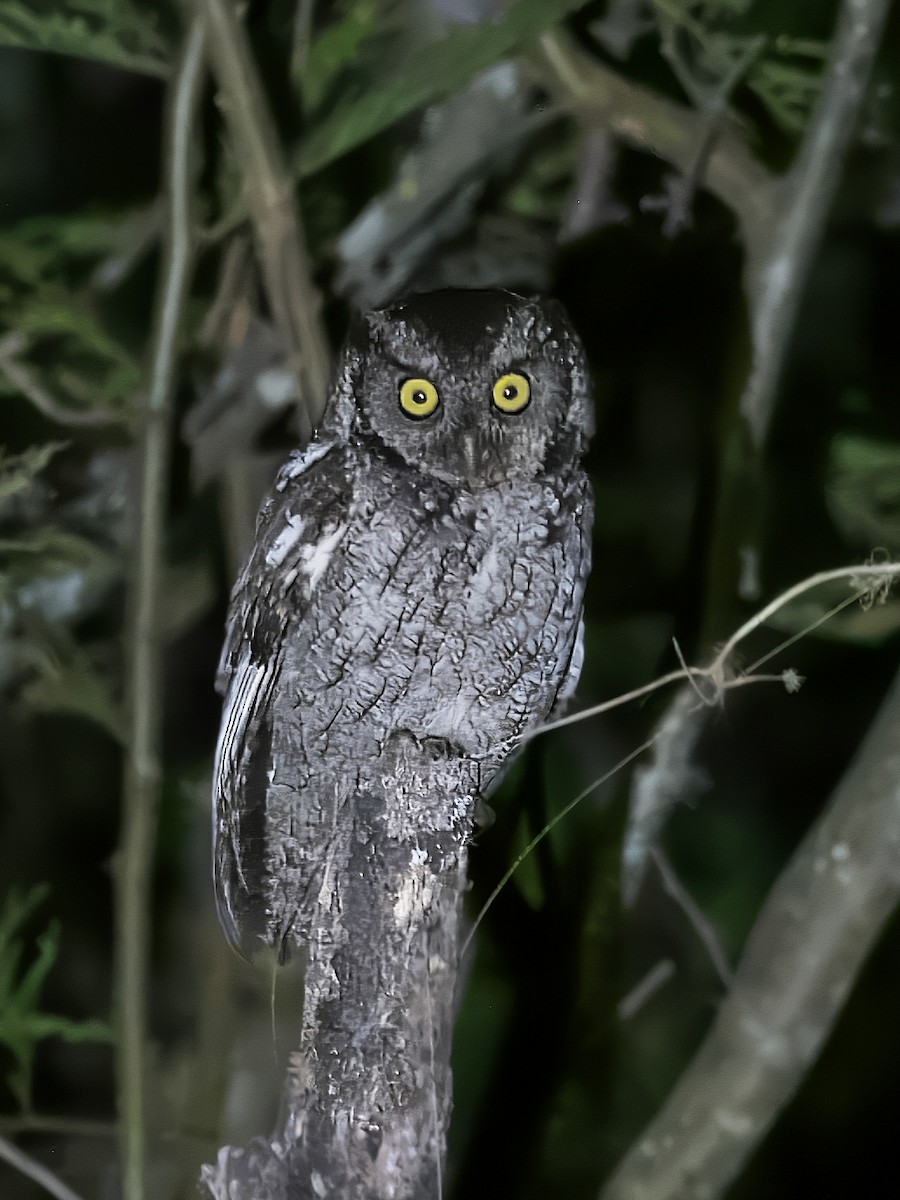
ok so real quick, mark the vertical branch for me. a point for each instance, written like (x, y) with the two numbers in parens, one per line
(776, 280)
(819, 923)
(142, 766)
(294, 300)
(368, 1094)
(775, 274)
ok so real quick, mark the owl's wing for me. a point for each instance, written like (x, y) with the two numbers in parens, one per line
(268, 600)
(578, 553)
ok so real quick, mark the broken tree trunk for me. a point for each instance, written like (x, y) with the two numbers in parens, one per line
(368, 1097)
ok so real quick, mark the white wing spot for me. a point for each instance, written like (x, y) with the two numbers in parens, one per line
(316, 558)
(286, 540)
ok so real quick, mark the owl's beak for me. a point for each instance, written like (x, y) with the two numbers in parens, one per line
(471, 457)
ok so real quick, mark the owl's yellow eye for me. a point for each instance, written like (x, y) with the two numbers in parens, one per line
(418, 398)
(511, 393)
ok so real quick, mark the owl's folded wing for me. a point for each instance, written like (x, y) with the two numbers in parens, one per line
(268, 600)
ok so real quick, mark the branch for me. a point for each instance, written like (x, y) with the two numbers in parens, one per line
(367, 1100)
(870, 582)
(815, 930)
(142, 766)
(775, 281)
(671, 131)
(36, 1171)
(284, 260)
(660, 785)
(781, 220)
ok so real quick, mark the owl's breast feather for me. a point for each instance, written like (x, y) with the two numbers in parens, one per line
(455, 622)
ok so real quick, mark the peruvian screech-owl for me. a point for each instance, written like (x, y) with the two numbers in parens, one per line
(418, 570)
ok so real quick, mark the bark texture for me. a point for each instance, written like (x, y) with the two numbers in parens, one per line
(368, 1095)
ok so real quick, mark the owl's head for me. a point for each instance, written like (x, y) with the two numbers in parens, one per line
(473, 387)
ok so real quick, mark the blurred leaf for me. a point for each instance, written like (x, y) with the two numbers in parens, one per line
(337, 47)
(66, 347)
(49, 247)
(863, 490)
(56, 574)
(50, 578)
(463, 144)
(787, 89)
(68, 681)
(22, 1024)
(711, 58)
(112, 31)
(17, 471)
(395, 77)
(527, 874)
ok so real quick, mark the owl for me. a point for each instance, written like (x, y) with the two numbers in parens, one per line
(418, 574)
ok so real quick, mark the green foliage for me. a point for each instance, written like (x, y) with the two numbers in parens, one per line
(18, 471)
(366, 76)
(48, 296)
(711, 56)
(864, 490)
(115, 32)
(87, 363)
(22, 1024)
(336, 49)
(787, 78)
(50, 578)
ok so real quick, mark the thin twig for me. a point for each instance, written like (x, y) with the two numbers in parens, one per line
(645, 989)
(36, 1171)
(777, 281)
(284, 260)
(142, 766)
(11, 345)
(542, 833)
(673, 740)
(718, 671)
(698, 919)
(814, 932)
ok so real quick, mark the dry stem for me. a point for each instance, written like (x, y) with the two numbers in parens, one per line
(294, 300)
(36, 1171)
(142, 766)
(777, 276)
(719, 673)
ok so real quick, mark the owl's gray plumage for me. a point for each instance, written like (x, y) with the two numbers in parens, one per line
(411, 578)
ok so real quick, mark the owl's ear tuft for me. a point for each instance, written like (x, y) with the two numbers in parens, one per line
(341, 411)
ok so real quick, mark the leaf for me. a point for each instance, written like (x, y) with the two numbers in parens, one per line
(82, 358)
(18, 471)
(75, 686)
(45, 248)
(398, 76)
(110, 31)
(22, 1024)
(50, 578)
(863, 490)
(336, 48)
(55, 574)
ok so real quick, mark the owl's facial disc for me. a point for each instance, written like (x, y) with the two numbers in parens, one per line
(473, 388)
